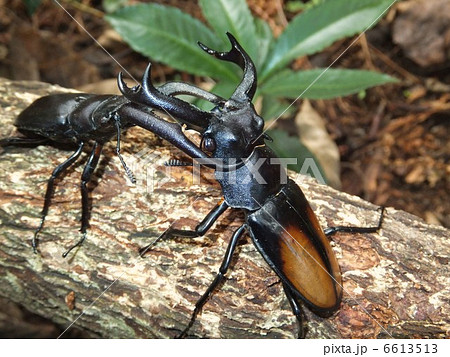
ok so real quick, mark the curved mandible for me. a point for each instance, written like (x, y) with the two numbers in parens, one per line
(178, 88)
(149, 95)
(247, 88)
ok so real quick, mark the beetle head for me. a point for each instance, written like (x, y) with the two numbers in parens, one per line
(232, 132)
(232, 129)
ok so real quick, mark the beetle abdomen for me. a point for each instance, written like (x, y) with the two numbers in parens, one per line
(287, 234)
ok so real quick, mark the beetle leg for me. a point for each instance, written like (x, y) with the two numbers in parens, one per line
(332, 230)
(218, 279)
(85, 178)
(49, 192)
(199, 231)
(297, 310)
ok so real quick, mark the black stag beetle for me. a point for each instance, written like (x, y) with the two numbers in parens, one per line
(78, 118)
(278, 217)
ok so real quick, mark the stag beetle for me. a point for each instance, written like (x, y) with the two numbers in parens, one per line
(278, 217)
(77, 118)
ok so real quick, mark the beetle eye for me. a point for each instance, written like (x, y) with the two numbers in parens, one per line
(208, 145)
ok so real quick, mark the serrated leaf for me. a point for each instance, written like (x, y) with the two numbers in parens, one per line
(290, 147)
(315, 29)
(322, 84)
(231, 16)
(170, 36)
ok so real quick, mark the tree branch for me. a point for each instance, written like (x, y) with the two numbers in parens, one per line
(396, 282)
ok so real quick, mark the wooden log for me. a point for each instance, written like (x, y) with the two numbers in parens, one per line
(396, 282)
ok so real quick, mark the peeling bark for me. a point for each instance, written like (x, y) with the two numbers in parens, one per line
(396, 282)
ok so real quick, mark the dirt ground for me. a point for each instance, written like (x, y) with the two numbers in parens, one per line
(393, 142)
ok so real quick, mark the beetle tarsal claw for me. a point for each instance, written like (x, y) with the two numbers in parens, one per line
(77, 244)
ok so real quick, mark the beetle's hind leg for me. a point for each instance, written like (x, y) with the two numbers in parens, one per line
(49, 192)
(297, 310)
(332, 230)
(85, 179)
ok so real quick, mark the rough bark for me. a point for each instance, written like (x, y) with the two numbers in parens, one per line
(396, 282)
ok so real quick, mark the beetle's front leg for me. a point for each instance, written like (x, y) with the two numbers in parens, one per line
(85, 179)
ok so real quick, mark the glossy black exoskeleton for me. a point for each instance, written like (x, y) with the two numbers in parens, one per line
(79, 118)
(72, 118)
(278, 217)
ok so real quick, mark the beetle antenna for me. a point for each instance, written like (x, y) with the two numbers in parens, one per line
(177, 163)
(126, 168)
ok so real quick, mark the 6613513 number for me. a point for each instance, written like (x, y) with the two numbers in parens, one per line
(410, 348)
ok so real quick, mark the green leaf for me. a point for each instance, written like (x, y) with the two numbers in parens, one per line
(298, 5)
(231, 16)
(170, 36)
(264, 40)
(315, 29)
(321, 84)
(225, 88)
(290, 147)
(273, 107)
